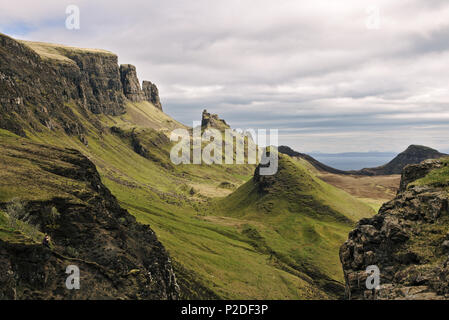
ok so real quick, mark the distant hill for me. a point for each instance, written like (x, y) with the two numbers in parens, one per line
(412, 155)
(318, 165)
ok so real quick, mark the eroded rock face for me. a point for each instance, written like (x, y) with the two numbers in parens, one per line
(131, 86)
(151, 94)
(38, 93)
(407, 240)
(211, 120)
(118, 258)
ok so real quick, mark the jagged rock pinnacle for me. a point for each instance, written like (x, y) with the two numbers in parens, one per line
(210, 120)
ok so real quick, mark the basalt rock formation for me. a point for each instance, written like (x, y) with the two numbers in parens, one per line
(407, 240)
(59, 92)
(118, 258)
(40, 90)
(151, 94)
(90, 80)
(210, 120)
(132, 90)
(131, 86)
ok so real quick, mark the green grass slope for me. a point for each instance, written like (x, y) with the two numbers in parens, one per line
(231, 256)
(297, 218)
(279, 243)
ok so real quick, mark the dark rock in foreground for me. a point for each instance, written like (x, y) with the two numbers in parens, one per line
(118, 258)
(408, 241)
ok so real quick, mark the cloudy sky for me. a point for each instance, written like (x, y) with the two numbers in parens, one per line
(332, 76)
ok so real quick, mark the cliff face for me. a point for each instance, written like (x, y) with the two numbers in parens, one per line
(35, 92)
(131, 86)
(51, 87)
(151, 94)
(408, 240)
(132, 90)
(118, 258)
(43, 90)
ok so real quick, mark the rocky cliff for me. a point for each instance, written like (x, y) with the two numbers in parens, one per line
(151, 94)
(131, 87)
(44, 85)
(61, 194)
(211, 120)
(57, 92)
(407, 240)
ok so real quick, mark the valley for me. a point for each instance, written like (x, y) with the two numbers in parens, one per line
(222, 231)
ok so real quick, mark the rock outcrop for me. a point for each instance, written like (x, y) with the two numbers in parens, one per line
(407, 240)
(36, 93)
(118, 258)
(132, 90)
(211, 120)
(131, 86)
(151, 94)
(49, 89)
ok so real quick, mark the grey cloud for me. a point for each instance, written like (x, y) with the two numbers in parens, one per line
(309, 66)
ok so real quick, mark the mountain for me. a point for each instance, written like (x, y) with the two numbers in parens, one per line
(407, 240)
(412, 155)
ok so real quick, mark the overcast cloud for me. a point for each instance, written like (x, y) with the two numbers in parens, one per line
(312, 69)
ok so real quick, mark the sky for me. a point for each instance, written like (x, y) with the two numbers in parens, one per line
(331, 76)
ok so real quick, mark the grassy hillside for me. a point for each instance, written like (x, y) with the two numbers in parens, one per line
(278, 243)
(218, 254)
(296, 217)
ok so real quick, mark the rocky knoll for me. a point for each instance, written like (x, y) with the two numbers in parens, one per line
(211, 120)
(408, 240)
(118, 258)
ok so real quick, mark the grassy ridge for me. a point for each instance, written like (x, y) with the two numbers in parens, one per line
(219, 251)
(297, 217)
